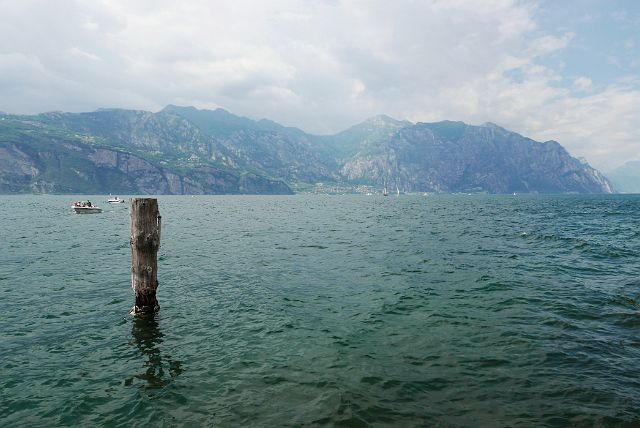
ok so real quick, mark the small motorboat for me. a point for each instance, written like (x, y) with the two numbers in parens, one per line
(85, 208)
(115, 200)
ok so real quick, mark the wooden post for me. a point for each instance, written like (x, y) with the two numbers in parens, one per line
(145, 241)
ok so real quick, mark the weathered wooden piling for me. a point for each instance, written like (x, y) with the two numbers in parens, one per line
(145, 242)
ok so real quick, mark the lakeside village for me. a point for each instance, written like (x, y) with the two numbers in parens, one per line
(337, 189)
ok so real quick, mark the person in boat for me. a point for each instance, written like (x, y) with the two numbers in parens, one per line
(89, 203)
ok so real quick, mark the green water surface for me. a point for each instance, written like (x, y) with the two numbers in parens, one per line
(462, 310)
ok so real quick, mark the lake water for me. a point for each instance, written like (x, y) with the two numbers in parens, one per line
(325, 310)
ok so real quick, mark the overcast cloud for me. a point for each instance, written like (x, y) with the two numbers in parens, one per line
(323, 65)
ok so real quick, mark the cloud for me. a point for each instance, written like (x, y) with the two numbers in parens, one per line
(582, 83)
(317, 64)
(75, 51)
(608, 118)
(548, 43)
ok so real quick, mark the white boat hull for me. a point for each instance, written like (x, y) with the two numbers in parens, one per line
(87, 210)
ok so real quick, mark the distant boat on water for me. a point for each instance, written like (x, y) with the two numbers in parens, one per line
(385, 192)
(115, 200)
(85, 208)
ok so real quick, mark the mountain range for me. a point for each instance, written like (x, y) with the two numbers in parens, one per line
(184, 150)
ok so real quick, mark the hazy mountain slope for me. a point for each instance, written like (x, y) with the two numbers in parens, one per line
(626, 178)
(217, 123)
(364, 137)
(264, 145)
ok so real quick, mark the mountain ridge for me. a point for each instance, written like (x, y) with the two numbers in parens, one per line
(180, 150)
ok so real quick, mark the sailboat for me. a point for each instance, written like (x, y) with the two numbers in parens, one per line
(385, 192)
(397, 190)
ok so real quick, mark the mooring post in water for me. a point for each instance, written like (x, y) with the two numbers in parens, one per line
(145, 241)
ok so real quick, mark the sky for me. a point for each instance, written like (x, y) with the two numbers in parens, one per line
(550, 70)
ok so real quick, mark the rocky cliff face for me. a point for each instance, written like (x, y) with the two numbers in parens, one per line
(455, 157)
(17, 170)
(56, 155)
